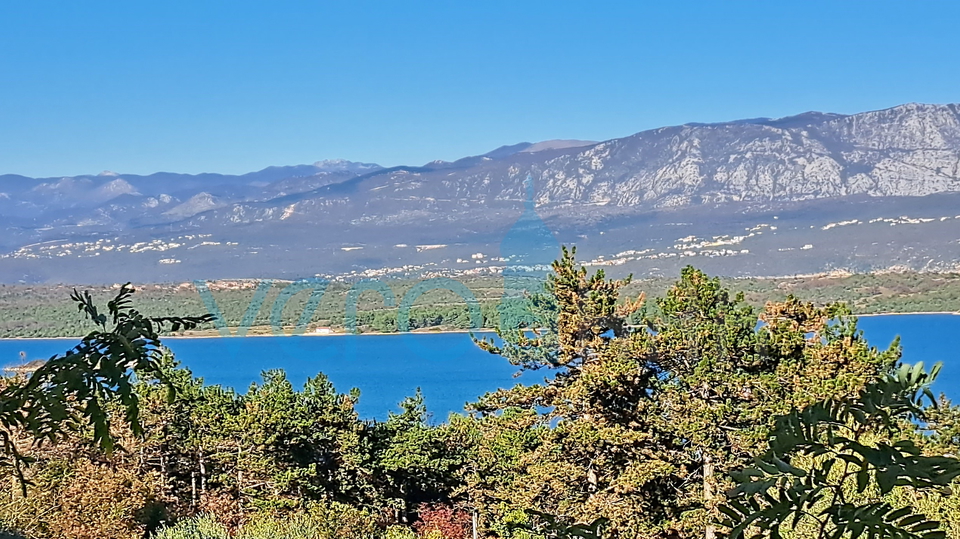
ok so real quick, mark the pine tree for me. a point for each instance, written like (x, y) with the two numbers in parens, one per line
(644, 422)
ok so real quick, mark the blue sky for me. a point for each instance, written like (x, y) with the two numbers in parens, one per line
(194, 86)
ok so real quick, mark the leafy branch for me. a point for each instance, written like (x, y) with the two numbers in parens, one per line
(76, 388)
(554, 527)
(850, 443)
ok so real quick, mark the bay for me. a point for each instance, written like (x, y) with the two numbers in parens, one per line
(448, 367)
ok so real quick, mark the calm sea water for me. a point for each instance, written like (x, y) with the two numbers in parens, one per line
(449, 368)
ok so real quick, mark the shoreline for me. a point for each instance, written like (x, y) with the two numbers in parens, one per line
(951, 313)
(259, 335)
(396, 333)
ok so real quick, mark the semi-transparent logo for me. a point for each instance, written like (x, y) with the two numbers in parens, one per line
(527, 251)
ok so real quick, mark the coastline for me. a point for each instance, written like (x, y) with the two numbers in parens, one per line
(258, 335)
(334, 334)
(217, 335)
(951, 313)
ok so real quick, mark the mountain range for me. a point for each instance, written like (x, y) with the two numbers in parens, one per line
(815, 192)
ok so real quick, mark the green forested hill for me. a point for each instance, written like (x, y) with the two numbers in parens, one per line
(46, 311)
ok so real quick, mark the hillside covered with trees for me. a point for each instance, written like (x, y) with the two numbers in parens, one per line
(45, 310)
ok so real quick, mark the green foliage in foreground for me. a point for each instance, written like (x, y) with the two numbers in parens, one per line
(326, 521)
(855, 456)
(72, 391)
(550, 526)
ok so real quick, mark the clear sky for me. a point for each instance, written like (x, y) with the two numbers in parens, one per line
(233, 86)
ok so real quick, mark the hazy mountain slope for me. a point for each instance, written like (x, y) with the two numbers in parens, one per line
(624, 194)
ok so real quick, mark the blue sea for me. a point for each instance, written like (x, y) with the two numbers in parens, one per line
(448, 367)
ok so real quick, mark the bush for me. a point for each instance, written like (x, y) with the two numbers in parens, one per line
(333, 521)
(443, 520)
(82, 498)
(203, 527)
(399, 532)
(321, 521)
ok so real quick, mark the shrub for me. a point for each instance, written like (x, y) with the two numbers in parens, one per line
(321, 521)
(203, 527)
(83, 498)
(444, 520)
(399, 532)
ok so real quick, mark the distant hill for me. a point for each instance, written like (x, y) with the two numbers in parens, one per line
(557, 145)
(803, 194)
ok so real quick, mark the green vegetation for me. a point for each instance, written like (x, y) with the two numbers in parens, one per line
(43, 311)
(84, 390)
(674, 418)
(794, 483)
(73, 390)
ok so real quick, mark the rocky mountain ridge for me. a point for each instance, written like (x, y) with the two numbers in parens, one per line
(354, 212)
